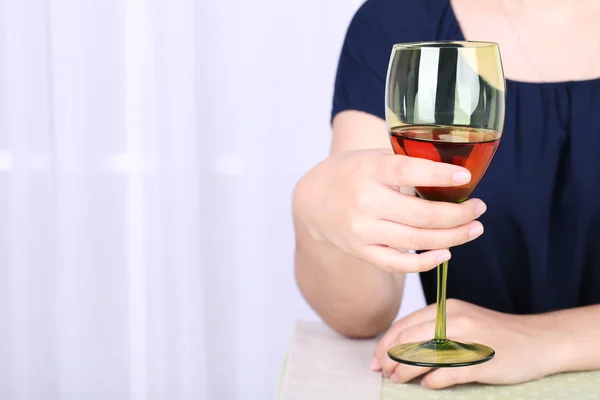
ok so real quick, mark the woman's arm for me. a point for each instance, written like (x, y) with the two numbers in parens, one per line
(353, 297)
(575, 334)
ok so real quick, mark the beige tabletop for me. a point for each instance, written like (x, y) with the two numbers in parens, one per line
(569, 386)
(323, 365)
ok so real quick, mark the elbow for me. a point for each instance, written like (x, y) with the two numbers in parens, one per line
(353, 324)
(352, 319)
(367, 323)
(358, 331)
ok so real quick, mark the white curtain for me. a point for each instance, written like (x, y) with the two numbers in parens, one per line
(148, 150)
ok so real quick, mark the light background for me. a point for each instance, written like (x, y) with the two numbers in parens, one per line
(148, 151)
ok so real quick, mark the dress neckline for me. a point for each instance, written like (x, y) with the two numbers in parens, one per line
(461, 36)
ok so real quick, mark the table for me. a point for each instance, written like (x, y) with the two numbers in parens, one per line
(322, 365)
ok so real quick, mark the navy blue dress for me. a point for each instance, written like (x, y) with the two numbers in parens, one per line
(540, 248)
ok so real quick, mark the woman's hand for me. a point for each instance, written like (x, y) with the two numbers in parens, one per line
(525, 350)
(351, 201)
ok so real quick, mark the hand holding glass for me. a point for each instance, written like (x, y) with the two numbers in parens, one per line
(445, 102)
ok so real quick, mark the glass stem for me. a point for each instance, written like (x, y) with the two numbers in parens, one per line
(440, 319)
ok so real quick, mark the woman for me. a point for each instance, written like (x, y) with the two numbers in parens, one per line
(529, 286)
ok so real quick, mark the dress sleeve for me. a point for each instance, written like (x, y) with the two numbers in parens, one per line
(363, 63)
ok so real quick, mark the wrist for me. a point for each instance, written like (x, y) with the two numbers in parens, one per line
(555, 343)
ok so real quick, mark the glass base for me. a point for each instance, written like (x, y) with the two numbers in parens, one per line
(441, 354)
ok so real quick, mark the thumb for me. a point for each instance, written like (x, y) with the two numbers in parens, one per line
(398, 170)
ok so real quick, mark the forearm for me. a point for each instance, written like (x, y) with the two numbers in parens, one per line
(353, 297)
(574, 339)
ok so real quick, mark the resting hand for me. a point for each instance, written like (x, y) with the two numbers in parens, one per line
(524, 350)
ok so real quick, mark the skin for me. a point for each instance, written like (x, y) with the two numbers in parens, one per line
(352, 222)
(355, 283)
(527, 347)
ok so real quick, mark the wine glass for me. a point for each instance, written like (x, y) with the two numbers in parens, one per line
(445, 102)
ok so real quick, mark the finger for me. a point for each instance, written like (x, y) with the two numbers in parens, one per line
(414, 334)
(402, 332)
(447, 377)
(418, 317)
(392, 260)
(398, 170)
(420, 213)
(407, 237)
(406, 373)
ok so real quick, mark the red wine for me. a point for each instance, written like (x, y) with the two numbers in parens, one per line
(468, 147)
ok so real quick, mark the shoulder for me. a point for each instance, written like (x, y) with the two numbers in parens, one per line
(376, 26)
(404, 20)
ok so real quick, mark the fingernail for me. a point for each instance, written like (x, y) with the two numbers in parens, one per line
(443, 257)
(461, 177)
(394, 378)
(480, 209)
(375, 364)
(476, 232)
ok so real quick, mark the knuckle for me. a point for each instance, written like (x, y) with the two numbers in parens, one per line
(455, 305)
(425, 215)
(380, 349)
(364, 167)
(403, 374)
(372, 164)
(464, 236)
(400, 338)
(364, 201)
(357, 227)
(464, 322)
(404, 166)
(412, 163)
(452, 303)
(354, 247)
(424, 264)
(356, 166)
(420, 263)
(435, 173)
(462, 217)
(398, 168)
(389, 265)
(413, 240)
(403, 337)
(457, 214)
(388, 367)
